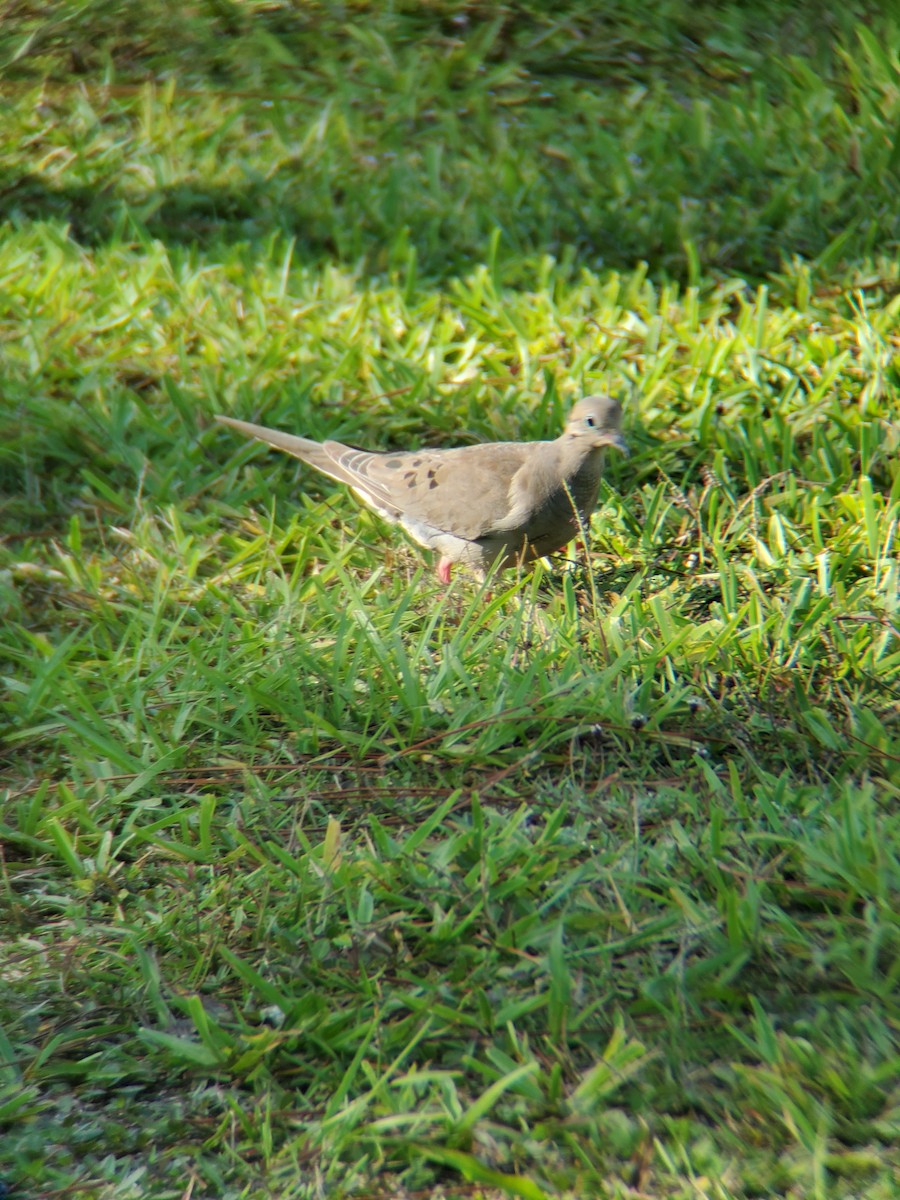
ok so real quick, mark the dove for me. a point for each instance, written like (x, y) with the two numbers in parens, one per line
(494, 502)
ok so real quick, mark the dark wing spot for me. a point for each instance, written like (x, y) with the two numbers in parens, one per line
(432, 482)
(393, 463)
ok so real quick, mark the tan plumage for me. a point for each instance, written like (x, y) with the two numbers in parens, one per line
(473, 504)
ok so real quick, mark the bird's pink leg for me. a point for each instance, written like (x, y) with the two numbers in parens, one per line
(444, 568)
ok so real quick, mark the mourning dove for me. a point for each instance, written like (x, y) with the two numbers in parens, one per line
(498, 501)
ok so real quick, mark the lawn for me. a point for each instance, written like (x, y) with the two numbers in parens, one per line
(318, 879)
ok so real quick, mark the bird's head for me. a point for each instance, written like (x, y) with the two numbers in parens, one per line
(597, 421)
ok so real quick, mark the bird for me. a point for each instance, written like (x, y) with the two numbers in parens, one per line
(492, 502)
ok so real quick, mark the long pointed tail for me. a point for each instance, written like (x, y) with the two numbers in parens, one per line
(300, 447)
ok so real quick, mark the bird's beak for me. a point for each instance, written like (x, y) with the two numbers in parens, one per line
(616, 439)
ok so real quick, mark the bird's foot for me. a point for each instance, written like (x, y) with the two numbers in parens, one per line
(444, 567)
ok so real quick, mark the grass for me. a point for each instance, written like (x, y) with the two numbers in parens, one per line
(408, 141)
(316, 880)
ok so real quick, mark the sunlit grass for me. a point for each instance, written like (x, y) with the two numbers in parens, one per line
(318, 879)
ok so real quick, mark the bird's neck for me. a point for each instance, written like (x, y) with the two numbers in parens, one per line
(585, 482)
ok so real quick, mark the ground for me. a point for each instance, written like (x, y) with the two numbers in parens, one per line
(319, 879)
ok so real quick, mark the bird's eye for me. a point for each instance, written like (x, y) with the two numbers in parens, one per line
(589, 421)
